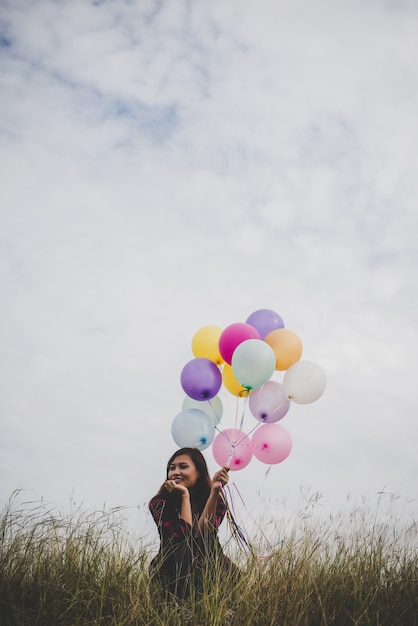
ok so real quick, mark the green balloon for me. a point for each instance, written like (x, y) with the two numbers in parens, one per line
(253, 363)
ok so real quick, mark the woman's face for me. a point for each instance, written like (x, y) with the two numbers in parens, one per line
(183, 471)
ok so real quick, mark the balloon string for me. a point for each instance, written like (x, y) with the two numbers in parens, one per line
(279, 406)
(231, 443)
(236, 531)
(215, 413)
(244, 408)
(236, 414)
(250, 432)
(268, 542)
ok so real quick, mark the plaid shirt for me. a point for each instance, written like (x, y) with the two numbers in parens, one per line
(171, 527)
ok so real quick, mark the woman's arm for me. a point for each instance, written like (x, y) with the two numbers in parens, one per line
(207, 519)
(186, 508)
(171, 527)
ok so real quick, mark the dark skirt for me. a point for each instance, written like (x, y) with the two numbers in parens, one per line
(181, 568)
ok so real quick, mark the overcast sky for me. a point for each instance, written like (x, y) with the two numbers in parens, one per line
(170, 165)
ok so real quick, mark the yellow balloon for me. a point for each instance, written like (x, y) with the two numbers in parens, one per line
(205, 344)
(286, 345)
(231, 382)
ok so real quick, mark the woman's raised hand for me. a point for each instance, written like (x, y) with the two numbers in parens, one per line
(220, 478)
(171, 485)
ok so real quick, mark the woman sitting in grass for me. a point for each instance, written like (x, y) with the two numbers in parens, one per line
(188, 509)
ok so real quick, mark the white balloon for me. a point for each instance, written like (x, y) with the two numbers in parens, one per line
(304, 382)
(213, 407)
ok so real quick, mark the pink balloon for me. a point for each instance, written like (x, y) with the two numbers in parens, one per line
(271, 443)
(269, 403)
(232, 447)
(232, 336)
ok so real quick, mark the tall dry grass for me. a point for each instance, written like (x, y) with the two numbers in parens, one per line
(84, 568)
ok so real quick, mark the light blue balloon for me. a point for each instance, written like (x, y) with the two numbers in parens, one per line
(253, 363)
(193, 428)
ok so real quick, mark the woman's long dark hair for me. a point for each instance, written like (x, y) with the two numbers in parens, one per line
(199, 493)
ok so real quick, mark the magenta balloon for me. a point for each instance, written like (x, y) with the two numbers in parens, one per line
(269, 403)
(201, 379)
(232, 336)
(271, 443)
(232, 447)
(264, 321)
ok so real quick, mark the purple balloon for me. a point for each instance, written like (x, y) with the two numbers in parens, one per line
(269, 403)
(201, 379)
(264, 321)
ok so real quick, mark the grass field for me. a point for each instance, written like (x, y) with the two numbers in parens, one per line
(85, 568)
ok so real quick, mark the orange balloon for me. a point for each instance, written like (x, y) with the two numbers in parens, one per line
(286, 345)
(205, 344)
(231, 382)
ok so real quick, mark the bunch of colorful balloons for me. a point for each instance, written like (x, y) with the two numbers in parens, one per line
(243, 358)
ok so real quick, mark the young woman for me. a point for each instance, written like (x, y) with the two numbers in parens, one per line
(188, 509)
